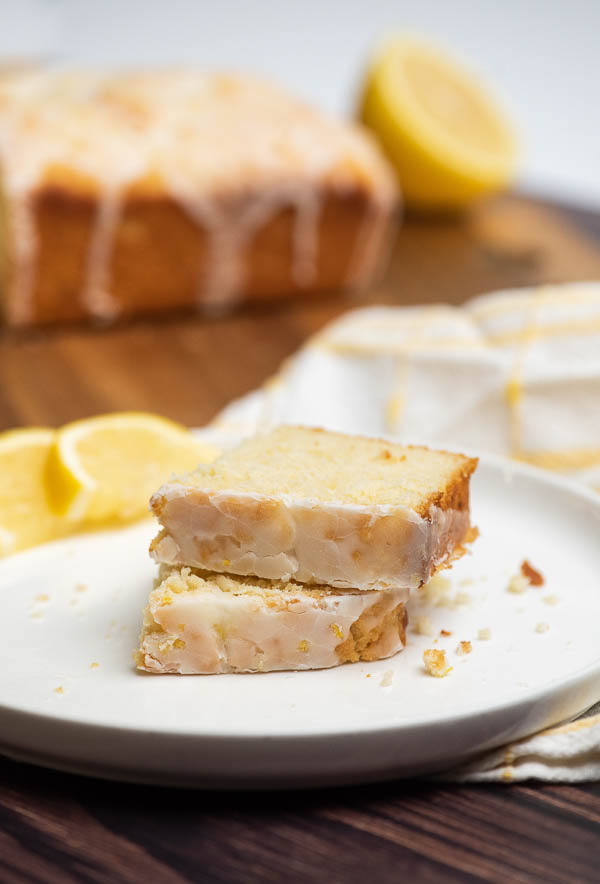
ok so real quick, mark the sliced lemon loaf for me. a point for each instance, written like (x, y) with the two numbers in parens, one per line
(319, 507)
(203, 623)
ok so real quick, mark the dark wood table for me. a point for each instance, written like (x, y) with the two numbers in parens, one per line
(57, 827)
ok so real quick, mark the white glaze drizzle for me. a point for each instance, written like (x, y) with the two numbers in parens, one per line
(96, 294)
(24, 251)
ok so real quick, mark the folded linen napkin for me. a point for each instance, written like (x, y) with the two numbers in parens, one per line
(515, 373)
(569, 753)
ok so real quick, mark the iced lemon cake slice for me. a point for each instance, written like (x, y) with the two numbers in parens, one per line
(317, 507)
(198, 622)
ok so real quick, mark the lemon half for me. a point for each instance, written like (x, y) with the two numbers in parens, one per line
(444, 134)
(105, 468)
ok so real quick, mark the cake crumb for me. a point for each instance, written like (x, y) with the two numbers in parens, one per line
(36, 615)
(43, 597)
(423, 626)
(437, 592)
(542, 627)
(532, 574)
(445, 632)
(466, 581)
(517, 584)
(59, 689)
(436, 663)
(461, 598)
(464, 648)
(303, 646)
(436, 589)
(368, 675)
(388, 677)
(550, 600)
(484, 634)
(94, 665)
(81, 587)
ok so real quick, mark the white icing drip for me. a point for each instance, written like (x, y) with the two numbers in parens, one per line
(306, 239)
(96, 295)
(370, 248)
(23, 238)
(231, 231)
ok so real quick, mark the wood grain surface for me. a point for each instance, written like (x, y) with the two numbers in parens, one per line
(60, 828)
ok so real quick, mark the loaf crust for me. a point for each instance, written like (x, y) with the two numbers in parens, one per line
(78, 241)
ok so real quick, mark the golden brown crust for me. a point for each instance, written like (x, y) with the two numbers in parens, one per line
(366, 632)
(160, 257)
(456, 494)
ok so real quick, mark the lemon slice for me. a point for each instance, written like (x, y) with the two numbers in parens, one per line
(105, 468)
(443, 133)
(25, 515)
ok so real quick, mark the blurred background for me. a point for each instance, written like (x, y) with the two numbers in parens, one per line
(540, 57)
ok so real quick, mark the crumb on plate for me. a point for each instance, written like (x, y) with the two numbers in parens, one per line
(388, 677)
(423, 626)
(542, 627)
(484, 634)
(518, 584)
(550, 600)
(464, 648)
(436, 663)
(532, 574)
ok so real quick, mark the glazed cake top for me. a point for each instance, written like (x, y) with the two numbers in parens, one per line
(307, 463)
(173, 129)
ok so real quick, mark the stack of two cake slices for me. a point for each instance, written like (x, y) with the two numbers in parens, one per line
(297, 550)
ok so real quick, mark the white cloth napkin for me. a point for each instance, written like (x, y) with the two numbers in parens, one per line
(514, 373)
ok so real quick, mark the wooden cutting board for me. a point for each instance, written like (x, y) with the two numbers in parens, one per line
(189, 367)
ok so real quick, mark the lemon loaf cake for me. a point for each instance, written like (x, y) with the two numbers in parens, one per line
(319, 507)
(203, 623)
(140, 192)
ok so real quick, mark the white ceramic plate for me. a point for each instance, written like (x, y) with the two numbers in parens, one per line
(355, 723)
